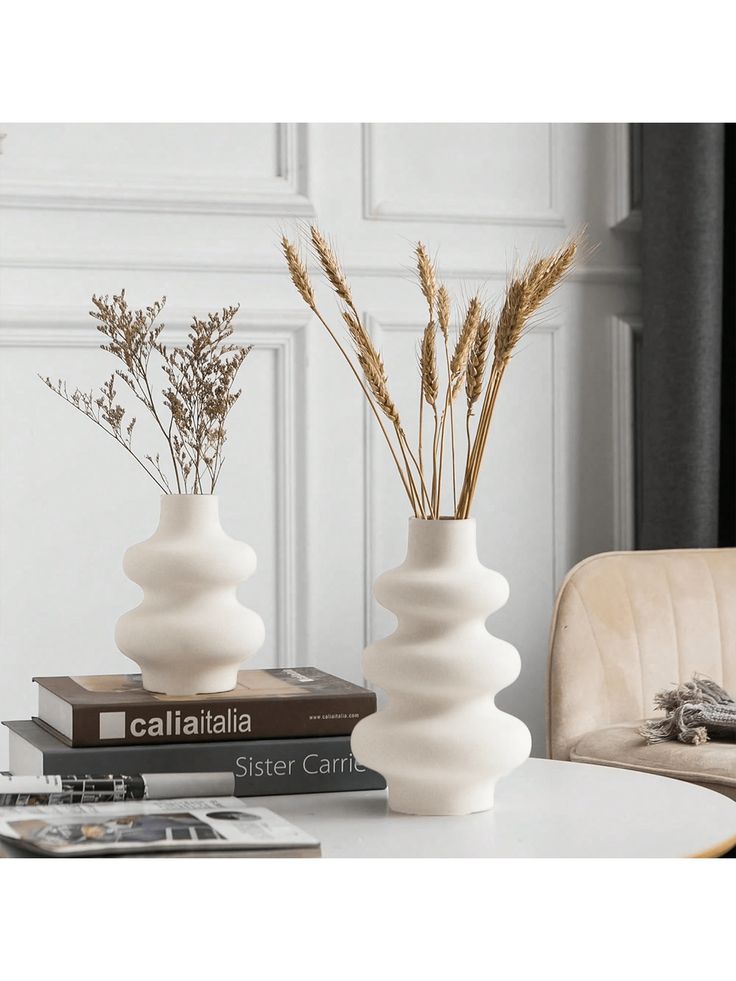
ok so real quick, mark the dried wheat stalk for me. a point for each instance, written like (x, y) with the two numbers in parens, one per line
(526, 292)
(370, 361)
(443, 315)
(456, 375)
(429, 379)
(429, 390)
(467, 365)
(374, 373)
(300, 279)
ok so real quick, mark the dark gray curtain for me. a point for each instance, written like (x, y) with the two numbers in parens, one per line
(686, 414)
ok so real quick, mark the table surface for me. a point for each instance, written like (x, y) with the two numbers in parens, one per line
(545, 809)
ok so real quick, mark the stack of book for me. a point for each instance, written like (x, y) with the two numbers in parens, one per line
(279, 731)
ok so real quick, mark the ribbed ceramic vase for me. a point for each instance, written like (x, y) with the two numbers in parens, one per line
(190, 634)
(440, 742)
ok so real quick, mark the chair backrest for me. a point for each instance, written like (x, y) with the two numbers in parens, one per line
(629, 623)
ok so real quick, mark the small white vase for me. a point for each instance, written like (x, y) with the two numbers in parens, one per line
(190, 634)
(441, 743)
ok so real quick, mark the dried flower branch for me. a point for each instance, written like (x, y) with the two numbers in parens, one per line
(105, 413)
(198, 398)
(466, 367)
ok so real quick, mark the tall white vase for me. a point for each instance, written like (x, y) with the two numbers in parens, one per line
(190, 634)
(441, 743)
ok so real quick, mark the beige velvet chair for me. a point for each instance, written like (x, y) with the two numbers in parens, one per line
(627, 624)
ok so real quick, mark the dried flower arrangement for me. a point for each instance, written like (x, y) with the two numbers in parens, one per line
(464, 360)
(196, 401)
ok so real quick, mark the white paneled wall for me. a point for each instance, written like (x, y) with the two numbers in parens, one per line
(194, 212)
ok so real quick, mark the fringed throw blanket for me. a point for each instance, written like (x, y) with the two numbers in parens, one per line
(696, 711)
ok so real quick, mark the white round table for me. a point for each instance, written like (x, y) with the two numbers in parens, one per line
(545, 809)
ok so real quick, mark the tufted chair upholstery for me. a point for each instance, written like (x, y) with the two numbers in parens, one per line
(625, 625)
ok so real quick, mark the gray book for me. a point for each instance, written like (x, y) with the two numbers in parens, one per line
(261, 766)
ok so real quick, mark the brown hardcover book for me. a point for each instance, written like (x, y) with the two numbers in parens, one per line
(275, 703)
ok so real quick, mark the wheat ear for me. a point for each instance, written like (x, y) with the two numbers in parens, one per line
(427, 277)
(298, 273)
(428, 364)
(464, 345)
(443, 312)
(477, 363)
(475, 374)
(330, 266)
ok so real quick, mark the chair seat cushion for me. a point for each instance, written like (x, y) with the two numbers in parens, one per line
(713, 764)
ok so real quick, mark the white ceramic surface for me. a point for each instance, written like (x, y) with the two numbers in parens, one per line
(441, 742)
(190, 634)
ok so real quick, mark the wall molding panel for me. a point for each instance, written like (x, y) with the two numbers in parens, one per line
(283, 194)
(626, 334)
(226, 264)
(378, 210)
(623, 216)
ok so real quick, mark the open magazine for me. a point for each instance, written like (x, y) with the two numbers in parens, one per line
(156, 826)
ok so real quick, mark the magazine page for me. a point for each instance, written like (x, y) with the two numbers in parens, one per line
(161, 825)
